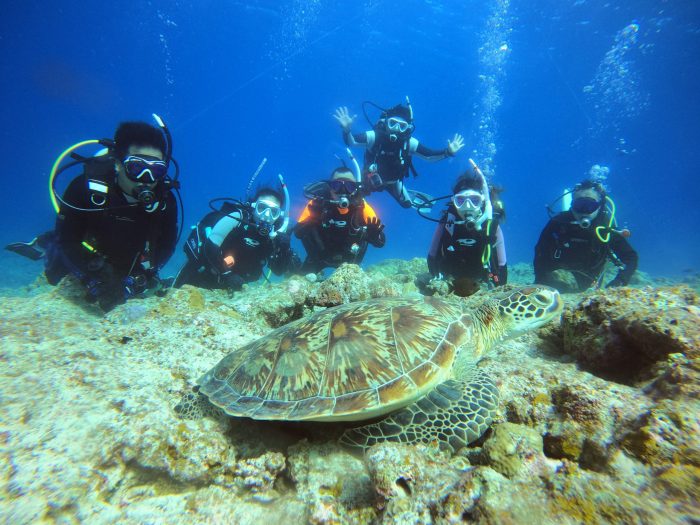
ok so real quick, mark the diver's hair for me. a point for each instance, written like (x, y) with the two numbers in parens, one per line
(398, 111)
(592, 185)
(137, 134)
(467, 181)
(268, 190)
(342, 170)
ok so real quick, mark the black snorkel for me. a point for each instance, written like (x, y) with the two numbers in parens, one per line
(169, 183)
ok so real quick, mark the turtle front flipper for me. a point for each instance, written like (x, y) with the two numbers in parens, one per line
(455, 413)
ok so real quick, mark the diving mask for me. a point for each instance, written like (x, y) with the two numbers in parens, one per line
(585, 209)
(266, 211)
(396, 124)
(343, 186)
(468, 202)
(585, 205)
(147, 171)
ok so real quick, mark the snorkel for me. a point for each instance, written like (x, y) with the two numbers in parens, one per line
(488, 208)
(168, 138)
(355, 165)
(248, 190)
(285, 223)
(148, 195)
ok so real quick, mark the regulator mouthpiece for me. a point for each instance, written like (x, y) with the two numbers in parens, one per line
(145, 195)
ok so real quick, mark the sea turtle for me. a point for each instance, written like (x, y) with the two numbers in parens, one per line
(411, 359)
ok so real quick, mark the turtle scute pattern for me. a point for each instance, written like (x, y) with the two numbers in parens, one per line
(347, 362)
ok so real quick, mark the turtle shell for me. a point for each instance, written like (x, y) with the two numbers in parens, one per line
(347, 363)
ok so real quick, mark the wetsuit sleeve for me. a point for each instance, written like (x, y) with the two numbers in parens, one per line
(283, 258)
(435, 249)
(545, 245)
(213, 246)
(627, 255)
(167, 235)
(501, 261)
(354, 139)
(72, 225)
(428, 153)
(307, 220)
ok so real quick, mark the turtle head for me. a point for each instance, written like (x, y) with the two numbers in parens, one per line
(529, 307)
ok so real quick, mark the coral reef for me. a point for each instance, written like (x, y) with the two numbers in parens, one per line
(633, 335)
(599, 423)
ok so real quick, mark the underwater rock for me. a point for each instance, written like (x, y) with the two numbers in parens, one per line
(483, 495)
(623, 334)
(409, 481)
(400, 269)
(333, 484)
(521, 273)
(275, 304)
(90, 435)
(511, 447)
(350, 283)
(668, 433)
(259, 474)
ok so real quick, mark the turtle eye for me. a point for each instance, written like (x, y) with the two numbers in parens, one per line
(541, 298)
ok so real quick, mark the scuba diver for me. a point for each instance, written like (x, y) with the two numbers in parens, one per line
(390, 147)
(581, 239)
(117, 221)
(231, 245)
(468, 245)
(337, 224)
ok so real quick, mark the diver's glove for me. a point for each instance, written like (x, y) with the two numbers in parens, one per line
(342, 115)
(454, 145)
(233, 281)
(281, 242)
(103, 286)
(374, 228)
(616, 282)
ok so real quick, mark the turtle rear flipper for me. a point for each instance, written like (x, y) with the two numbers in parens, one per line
(455, 413)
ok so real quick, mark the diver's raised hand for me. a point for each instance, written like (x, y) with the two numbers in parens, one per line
(374, 226)
(374, 231)
(342, 115)
(456, 144)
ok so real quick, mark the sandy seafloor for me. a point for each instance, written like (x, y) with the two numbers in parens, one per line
(598, 415)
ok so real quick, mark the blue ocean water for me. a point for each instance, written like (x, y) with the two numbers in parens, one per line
(541, 91)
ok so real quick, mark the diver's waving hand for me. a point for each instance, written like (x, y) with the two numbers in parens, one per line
(342, 115)
(456, 144)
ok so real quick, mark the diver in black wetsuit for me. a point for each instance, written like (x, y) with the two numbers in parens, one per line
(582, 240)
(468, 241)
(390, 147)
(232, 245)
(117, 221)
(337, 224)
